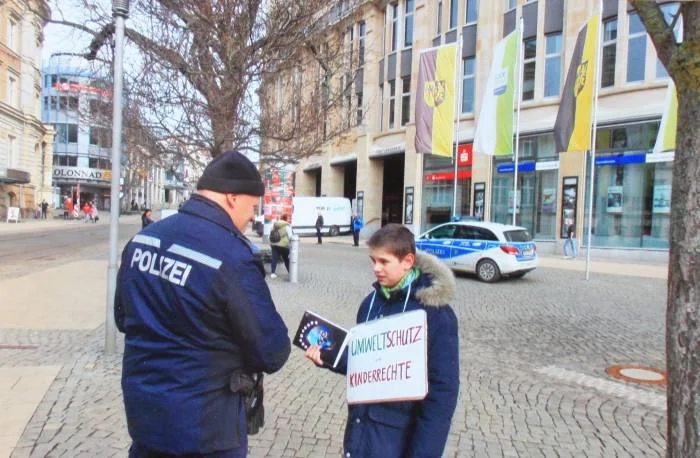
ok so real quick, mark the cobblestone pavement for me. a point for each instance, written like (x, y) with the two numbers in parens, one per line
(533, 353)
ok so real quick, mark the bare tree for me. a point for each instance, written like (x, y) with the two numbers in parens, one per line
(682, 59)
(196, 68)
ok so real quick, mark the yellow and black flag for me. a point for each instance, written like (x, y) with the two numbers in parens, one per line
(572, 130)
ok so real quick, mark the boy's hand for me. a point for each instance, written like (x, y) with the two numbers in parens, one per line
(314, 354)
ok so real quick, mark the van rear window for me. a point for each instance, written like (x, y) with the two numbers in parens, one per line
(518, 236)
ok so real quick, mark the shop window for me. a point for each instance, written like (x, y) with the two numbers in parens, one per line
(552, 65)
(609, 53)
(530, 54)
(468, 73)
(636, 49)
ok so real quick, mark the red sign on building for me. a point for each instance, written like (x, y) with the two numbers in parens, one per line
(464, 155)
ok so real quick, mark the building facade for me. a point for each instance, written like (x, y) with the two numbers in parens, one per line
(375, 162)
(25, 143)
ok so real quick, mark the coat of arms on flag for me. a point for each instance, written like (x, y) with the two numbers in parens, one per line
(434, 93)
(581, 71)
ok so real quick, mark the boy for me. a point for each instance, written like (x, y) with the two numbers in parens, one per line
(406, 281)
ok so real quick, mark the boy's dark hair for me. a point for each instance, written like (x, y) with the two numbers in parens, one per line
(395, 238)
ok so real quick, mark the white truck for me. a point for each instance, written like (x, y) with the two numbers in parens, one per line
(336, 211)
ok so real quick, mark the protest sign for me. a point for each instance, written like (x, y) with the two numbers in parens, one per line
(387, 359)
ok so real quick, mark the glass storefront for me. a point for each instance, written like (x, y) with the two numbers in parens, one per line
(535, 203)
(632, 189)
(438, 187)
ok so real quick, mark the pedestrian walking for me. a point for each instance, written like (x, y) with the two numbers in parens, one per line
(570, 243)
(280, 246)
(146, 218)
(356, 224)
(44, 209)
(406, 281)
(319, 227)
(199, 321)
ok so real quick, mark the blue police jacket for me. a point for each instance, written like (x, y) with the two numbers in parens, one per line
(194, 307)
(412, 429)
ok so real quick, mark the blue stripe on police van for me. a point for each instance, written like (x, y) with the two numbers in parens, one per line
(147, 240)
(195, 256)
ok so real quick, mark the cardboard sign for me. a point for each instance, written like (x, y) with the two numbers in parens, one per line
(388, 359)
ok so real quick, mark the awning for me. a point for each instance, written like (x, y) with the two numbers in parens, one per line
(340, 160)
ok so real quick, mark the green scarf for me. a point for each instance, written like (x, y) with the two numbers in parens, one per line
(407, 279)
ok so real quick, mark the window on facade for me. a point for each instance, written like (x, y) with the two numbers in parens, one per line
(529, 68)
(510, 4)
(454, 6)
(636, 49)
(63, 102)
(12, 90)
(438, 25)
(72, 103)
(11, 32)
(408, 24)
(53, 102)
(99, 163)
(607, 77)
(669, 10)
(362, 33)
(468, 71)
(381, 107)
(54, 80)
(359, 108)
(552, 65)
(394, 25)
(406, 100)
(46, 103)
(472, 13)
(392, 104)
(66, 133)
(11, 156)
(64, 160)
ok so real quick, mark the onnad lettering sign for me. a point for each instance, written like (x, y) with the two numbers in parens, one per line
(387, 359)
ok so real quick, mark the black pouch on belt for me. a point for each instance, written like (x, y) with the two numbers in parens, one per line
(250, 386)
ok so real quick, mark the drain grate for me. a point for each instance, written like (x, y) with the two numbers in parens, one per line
(638, 374)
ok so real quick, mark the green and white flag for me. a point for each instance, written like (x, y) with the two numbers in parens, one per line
(666, 138)
(494, 129)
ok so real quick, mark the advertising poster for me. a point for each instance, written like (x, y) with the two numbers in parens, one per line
(662, 198)
(408, 210)
(279, 192)
(549, 200)
(479, 198)
(614, 199)
(568, 204)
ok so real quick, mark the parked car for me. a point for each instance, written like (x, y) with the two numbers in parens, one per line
(490, 250)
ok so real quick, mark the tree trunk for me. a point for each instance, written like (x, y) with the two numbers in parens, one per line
(683, 312)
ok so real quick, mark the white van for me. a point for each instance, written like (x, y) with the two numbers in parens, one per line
(336, 212)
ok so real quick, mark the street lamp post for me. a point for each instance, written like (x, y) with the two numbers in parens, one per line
(120, 11)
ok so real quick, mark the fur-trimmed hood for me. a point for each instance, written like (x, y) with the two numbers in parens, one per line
(440, 287)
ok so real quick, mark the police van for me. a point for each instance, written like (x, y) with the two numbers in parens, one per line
(490, 250)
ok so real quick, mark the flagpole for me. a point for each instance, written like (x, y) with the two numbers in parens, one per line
(455, 136)
(517, 118)
(593, 141)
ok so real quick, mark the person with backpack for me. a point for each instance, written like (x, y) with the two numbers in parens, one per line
(280, 235)
(356, 224)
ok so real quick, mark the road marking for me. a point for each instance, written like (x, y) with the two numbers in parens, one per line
(655, 401)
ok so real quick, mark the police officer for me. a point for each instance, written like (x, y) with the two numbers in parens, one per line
(195, 310)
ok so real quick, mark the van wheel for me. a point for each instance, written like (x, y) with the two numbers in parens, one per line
(487, 271)
(335, 230)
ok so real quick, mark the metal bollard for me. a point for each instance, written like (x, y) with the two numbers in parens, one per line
(294, 259)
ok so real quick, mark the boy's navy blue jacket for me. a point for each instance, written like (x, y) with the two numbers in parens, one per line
(415, 428)
(194, 306)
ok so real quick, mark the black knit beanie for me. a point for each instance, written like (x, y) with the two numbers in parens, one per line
(232, 172)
